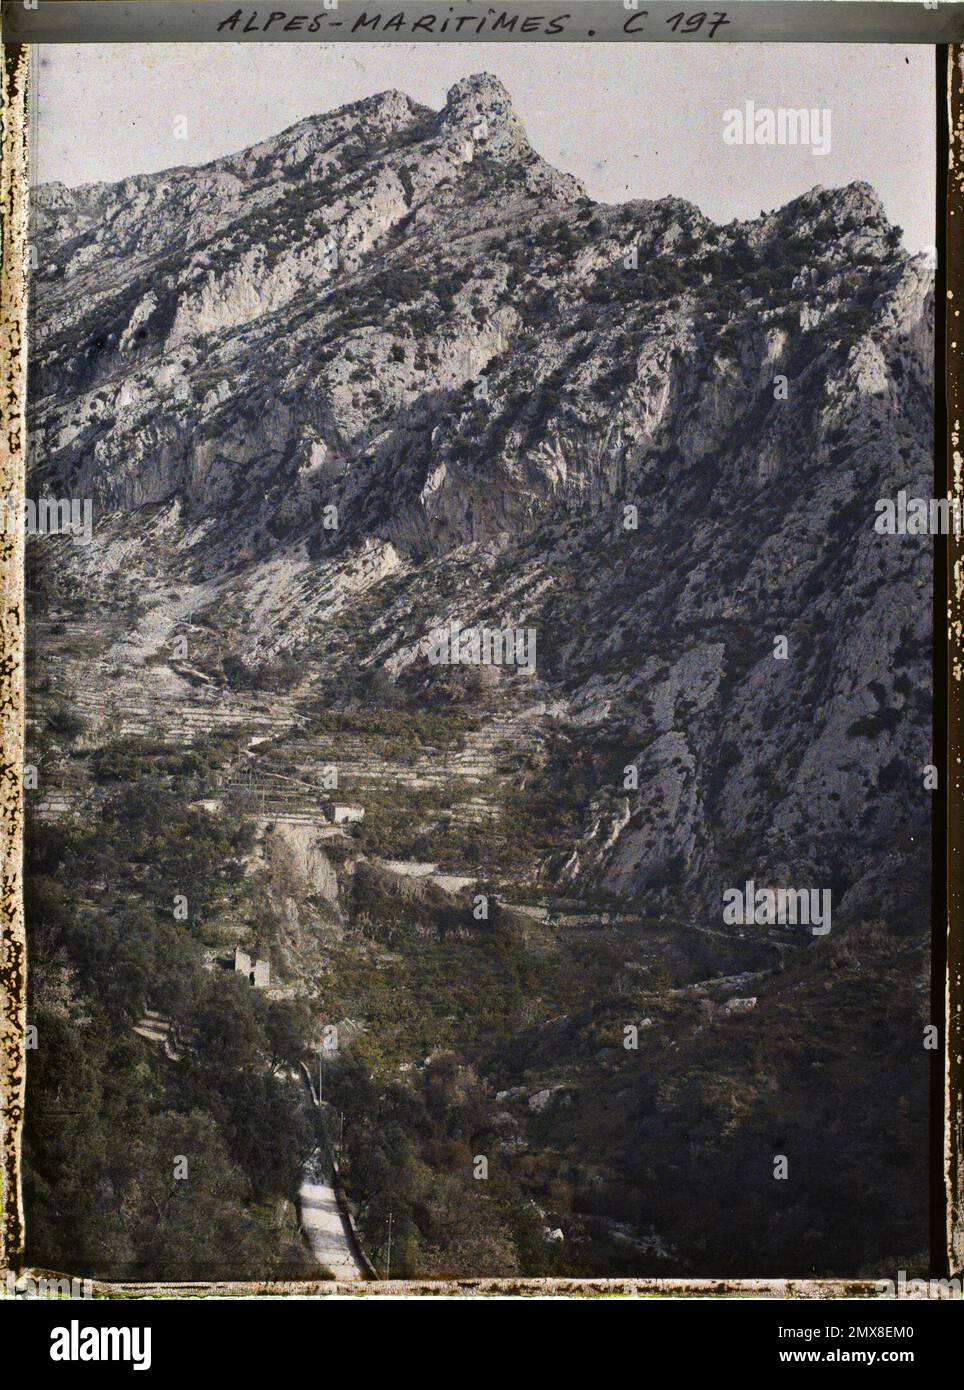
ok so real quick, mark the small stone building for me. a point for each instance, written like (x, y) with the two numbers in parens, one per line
(343, 812)
(257, 971)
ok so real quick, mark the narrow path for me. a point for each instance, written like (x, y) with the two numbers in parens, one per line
(323, 1225)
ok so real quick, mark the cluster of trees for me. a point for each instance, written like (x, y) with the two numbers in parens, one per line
(411, 1152)
(661, 1160)
(842, 1024)
(144, 1159)
(421, 726)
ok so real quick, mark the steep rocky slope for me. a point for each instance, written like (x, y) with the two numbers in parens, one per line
(407, 322)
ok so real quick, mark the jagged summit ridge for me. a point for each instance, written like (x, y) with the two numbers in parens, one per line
(478, 95)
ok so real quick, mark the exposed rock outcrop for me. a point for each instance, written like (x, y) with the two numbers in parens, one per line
(391, 369)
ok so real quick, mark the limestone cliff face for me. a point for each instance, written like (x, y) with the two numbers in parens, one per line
(411, 317)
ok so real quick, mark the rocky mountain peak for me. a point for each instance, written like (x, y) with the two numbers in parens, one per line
(478, 97)
(479, 109)
(857, 197)
(835, 214)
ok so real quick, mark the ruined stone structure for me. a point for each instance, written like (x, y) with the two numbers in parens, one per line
(343, 812)
(258, 972)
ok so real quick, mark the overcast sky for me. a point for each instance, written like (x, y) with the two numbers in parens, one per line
(631, 121)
